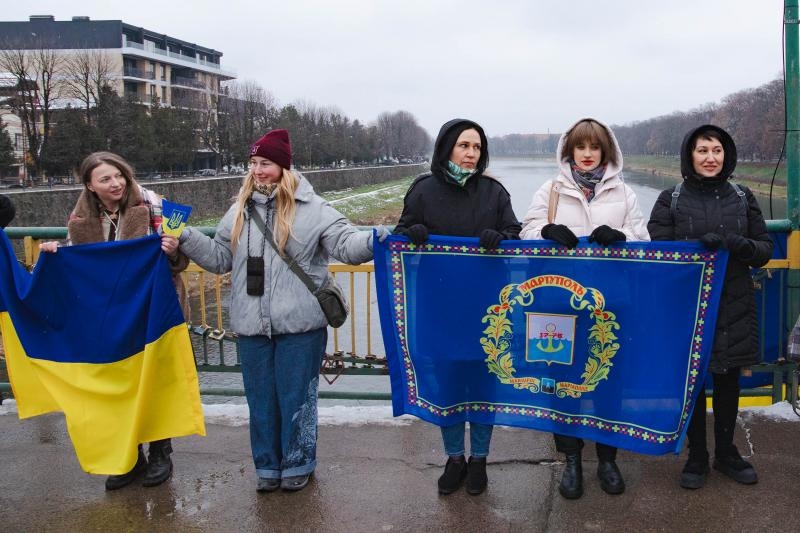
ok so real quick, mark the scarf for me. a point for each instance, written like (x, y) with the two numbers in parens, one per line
(587, 180)
(266, 189)
(458, 174)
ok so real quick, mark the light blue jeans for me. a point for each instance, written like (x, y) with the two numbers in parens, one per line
(480, 437)
(281, 378)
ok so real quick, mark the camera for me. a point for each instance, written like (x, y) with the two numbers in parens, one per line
(255, 276)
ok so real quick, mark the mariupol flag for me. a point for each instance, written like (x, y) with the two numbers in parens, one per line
(606, 343)
(97, 333)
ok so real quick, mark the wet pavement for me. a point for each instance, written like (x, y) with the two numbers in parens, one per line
(383, 478)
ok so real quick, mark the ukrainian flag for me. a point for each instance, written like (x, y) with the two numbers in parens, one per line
(96, 332)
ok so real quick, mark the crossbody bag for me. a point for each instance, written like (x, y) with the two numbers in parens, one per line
(330, 296)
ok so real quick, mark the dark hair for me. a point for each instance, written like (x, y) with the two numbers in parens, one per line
(94, 160)
(591, 131)
(707, 134)
(448, 136)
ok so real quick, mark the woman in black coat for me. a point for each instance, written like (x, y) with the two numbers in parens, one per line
(708, 208)
(457, 198)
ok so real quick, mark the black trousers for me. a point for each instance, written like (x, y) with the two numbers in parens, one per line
(725, 404)
(574, 445)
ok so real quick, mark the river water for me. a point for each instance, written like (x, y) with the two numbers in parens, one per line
(522, 177)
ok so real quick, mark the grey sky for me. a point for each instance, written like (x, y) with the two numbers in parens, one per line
(514, 66)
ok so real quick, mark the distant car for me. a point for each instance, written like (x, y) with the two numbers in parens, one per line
(206, 172)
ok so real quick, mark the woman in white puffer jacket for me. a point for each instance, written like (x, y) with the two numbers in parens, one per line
(601, 198)
(588, 197)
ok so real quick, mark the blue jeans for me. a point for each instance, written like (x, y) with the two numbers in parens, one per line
(480, 437)
(281, 377)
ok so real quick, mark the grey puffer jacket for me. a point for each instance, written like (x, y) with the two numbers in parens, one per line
(319, 232)
(708, 205)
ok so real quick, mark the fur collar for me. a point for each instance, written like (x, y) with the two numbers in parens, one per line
(85, 225)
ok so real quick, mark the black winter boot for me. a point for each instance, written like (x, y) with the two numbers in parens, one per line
(732, 465)
(159, 465)
(123, 480)
(455, 470)
(476, 475)
(571, 486)
(610, 477)
(694, 473)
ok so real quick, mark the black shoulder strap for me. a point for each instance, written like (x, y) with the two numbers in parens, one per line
(673, 205)
(293, 266)
(741, 194)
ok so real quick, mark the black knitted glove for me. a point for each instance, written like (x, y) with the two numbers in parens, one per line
(417, 233)
(490, 239)
(712, 241)
(604, 235)
(740, 247)
(561, 234)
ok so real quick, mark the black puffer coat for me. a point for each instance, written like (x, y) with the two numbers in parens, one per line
(712, 205)
(445, 207)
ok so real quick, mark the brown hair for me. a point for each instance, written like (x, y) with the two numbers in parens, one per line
(594, 132)
(94, 160)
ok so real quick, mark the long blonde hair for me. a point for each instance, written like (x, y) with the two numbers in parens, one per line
(285, 208)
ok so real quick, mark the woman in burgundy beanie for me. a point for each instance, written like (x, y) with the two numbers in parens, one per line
(280, 325)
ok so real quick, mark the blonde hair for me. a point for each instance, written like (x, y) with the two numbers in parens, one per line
(285, 208)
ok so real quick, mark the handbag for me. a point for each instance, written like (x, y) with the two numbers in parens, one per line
(330, 295)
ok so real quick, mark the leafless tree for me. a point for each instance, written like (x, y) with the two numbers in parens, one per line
(37, 72)
(86, 72)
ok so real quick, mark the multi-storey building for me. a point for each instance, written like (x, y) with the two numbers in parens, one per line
(143, 65)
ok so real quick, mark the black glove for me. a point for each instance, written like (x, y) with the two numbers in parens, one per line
(712, 241)
(604, 235)
(490, 239)
(561, 234)
(417, 233)
(740, 247)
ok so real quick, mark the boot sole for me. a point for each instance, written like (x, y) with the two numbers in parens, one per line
(612, 490)
(570, 495)
(744, 477)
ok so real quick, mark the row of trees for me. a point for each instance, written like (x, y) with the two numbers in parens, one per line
(754, 117)
(155, 137)
(320, 135)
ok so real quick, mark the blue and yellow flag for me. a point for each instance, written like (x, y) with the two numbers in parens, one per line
(610, 344)
(97, 333)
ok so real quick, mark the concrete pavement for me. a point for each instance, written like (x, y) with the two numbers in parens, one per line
(383, 478)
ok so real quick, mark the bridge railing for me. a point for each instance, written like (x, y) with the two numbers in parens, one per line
(356, 347)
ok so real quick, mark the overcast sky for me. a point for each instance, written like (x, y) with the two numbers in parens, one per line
(514, 66)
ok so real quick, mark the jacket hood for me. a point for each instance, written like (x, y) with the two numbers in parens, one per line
(448, 135)
(563, 163)
(687, 169)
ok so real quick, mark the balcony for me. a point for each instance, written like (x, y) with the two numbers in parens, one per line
(187, 82)
(134, 72)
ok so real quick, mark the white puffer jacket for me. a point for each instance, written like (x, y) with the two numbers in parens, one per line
(614, 203)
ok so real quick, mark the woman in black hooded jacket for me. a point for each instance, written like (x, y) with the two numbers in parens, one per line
(456, 198)
(708, 208)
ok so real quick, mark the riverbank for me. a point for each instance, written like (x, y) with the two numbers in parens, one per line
(757, 176)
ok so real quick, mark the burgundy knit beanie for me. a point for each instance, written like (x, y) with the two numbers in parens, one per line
(276, 147)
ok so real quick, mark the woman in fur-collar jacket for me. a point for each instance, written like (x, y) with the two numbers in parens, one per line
(113, 207)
